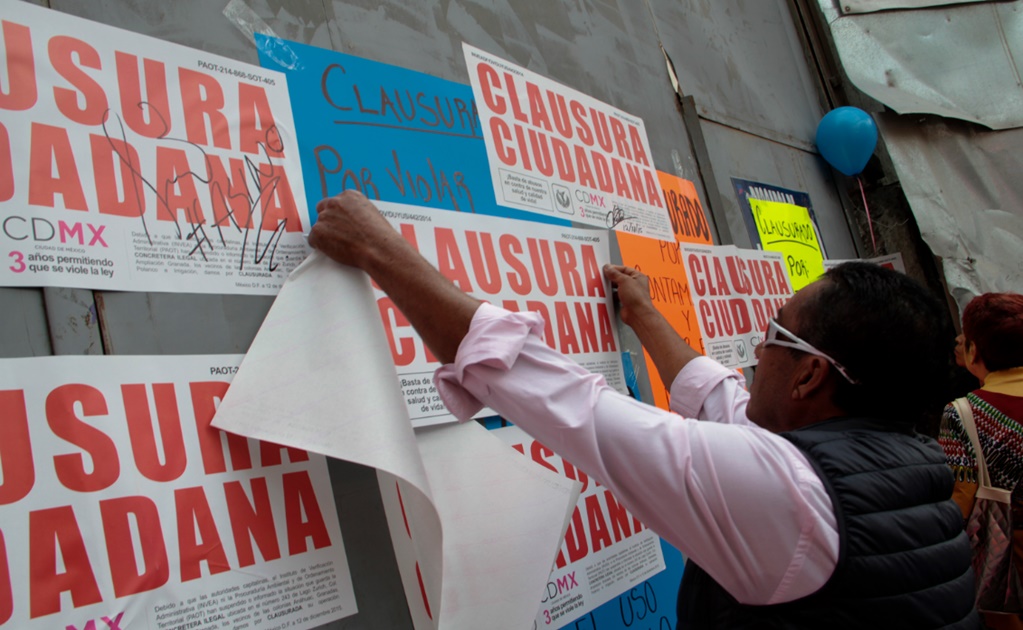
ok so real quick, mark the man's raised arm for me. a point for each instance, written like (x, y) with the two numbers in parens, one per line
(352, 231)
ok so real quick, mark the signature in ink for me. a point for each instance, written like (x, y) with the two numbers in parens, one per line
(616, 216)
(264, 182)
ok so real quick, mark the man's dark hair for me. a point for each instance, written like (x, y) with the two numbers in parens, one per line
(993, 322)
(891, 334)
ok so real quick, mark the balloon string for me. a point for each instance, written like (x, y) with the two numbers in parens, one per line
(870, 224)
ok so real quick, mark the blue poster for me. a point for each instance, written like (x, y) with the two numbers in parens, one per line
(393, 134)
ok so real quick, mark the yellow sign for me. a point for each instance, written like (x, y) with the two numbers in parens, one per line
(788, 229)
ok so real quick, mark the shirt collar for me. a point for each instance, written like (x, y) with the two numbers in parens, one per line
(1005, 382)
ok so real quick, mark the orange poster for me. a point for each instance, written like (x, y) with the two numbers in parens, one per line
(661, 261)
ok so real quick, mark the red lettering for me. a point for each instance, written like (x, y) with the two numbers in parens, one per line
(707, 320)
(621, 184)
(6, 166)
(575, 538)
(193, 513)
(582, 126)
(277, 199)
(619, 517)
(511, 247)
(202, 99)
(52, 148)
(143, 438)
(403, 349)
(566, 330)
(636, 182)
(6, 591)
(252, 521)
(63, 51)
(483, 257)
(603, 172)
(53, 531)
(146, 114)
(697, 266)
(300, 500)
(449, 259)
(117, 530)
(21, 68)
(16, 467)
(621, 145)
(489, 81)
(205, 397)
(567, 264)
(541, 152)
(256, 120)
(603, 134)
(607, 336)
(543, 266)
(582, 161)
(638, 150)
(563, 160)
(500, 132)
(229, 197)
(600, 537)
(70, 468)
(740, 316)
(541, 308)
(109, 198)
(587, 328)
(513, 96)
(178, 193)
(653, 189)
(540, 453)
(591, 272)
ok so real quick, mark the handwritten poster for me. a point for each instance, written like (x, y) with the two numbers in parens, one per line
(391, 133)
(606, 550)
(129, 163)
(662, 264)
(122, 507)
(787, 229)
(557, 151)
(735, 291)
(552, 270)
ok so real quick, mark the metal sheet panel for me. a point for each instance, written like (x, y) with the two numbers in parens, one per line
(741, 61)
(745, 156)
(964, 187)
(23, 330)
(870, 6)
(959, 62)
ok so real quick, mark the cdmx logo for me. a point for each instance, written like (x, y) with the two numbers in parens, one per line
(591, 198)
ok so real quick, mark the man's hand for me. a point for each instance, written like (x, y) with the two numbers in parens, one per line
(668, 350)
(633, 290)
(350, 230)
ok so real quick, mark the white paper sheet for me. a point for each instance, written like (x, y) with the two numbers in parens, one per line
(484, 525)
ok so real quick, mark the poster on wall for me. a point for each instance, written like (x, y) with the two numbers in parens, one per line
(735, 291)
(392, 133)
(788, 229)
(122, 507)
(606, 550)
(662, 264)
(521, 266)
(130, 163)
(556, 151)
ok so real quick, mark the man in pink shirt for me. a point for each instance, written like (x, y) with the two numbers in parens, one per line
(807, 501)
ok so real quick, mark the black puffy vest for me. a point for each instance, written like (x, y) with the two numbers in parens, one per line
(904, 559)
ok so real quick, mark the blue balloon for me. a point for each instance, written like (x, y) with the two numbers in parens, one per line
(846, 137)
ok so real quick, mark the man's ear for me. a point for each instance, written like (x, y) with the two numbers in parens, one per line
(810, 376)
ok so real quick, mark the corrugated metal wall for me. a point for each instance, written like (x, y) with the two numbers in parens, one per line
(752, 115)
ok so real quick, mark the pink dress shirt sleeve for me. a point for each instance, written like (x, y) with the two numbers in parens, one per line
(741, 502)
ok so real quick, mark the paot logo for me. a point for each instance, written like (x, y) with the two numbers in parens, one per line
(563, 199)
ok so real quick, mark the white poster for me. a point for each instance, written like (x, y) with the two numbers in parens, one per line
(556, 151)
(129, 163)
(521, 266)
(735, 292)
(606, 550)
(891, 261)
(122, 507)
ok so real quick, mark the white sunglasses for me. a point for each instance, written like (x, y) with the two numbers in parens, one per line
(774, 328)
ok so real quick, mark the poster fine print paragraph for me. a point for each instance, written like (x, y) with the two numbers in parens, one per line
(130, 163)
(121, 507)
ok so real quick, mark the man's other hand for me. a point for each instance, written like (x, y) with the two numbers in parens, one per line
(633, 289)
(350, 230)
